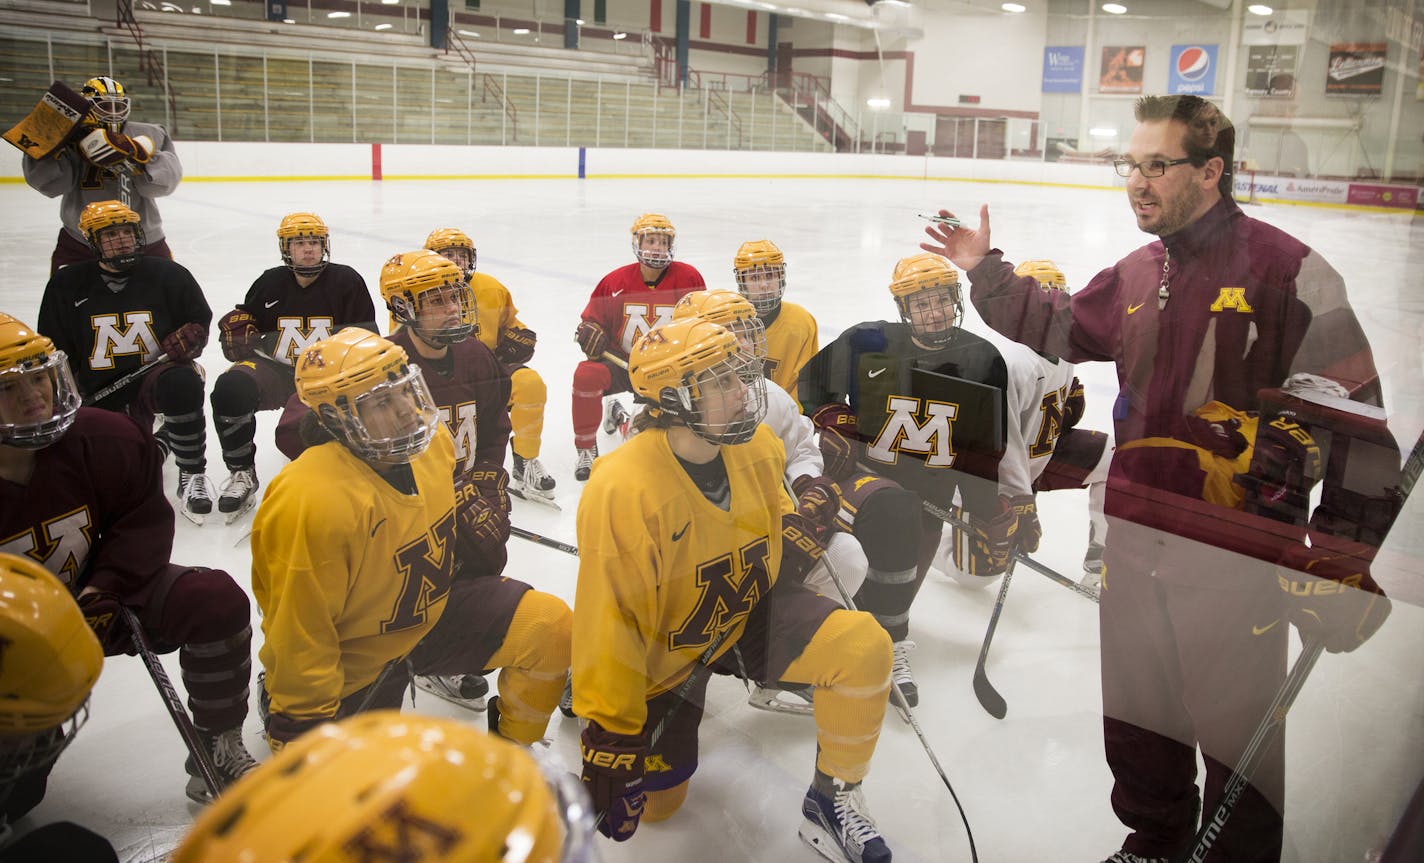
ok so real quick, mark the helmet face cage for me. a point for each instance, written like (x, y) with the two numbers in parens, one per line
(111, 103)
(463, 257)
(654, 258)
(575, 809)
(391, 423)
(722, 404)
(762, 284)
(932, 313)
(303, 226)
(119, 246)
(728, 310)
(441, 315)
(38, 401)
(26, 754)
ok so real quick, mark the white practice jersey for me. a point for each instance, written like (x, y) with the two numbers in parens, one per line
(1038, 389)
(797, 434)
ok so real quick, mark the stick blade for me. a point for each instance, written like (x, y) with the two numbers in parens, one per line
(989, 697)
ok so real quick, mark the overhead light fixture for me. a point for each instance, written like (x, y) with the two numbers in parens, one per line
(1013, 7)
(384, 26)
(219, 2)
(1103, 132)
(1114, 8)
(1259, 9)
(620, 35)
(472, 34)
(878, 104)
(836, 16)
(289, 20)
(338, 14)
(521, 31)
(389, 2)
(891, 3)
(578, 21)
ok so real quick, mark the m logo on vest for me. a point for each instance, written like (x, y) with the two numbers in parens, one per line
(1232, 298)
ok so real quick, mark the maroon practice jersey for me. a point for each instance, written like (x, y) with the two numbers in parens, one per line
(338, 298)
(94, 511)
(471, 389)
(626, 306)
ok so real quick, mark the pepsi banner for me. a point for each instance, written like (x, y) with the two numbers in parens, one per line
(1193, 70)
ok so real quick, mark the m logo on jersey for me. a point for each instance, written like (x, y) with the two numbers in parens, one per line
(929, 434)
(638, 318)
(133, 337)
(1232, 298)
(426, 566)
(731, 586)
(398, 835)
(61, 544)
(463, 430)
(1050, 423)
(296, 333)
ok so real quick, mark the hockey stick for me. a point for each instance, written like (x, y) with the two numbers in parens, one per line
(610, 357)
(989, 697)
(904, 707)
(173, 702)
(543, 540)
(949, 518)
(1271, 723)
(124, 381)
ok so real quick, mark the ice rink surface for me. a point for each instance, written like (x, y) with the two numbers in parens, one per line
(1034, 785)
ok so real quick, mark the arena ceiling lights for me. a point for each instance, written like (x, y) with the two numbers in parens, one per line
(850, 13)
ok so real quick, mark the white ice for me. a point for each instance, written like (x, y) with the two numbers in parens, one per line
(1034, 785)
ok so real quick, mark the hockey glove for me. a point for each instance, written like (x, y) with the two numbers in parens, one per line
(186, 342)
(481, 530)
(283, 729)
(837, 424)
(800, 549)
(238, 334)
(591, 339)
(1074, 405)
(1332, 596)
(1219, 438)
(1027, 530)
(992, 539)
(817, 500)
(613, 775)
(516, 346)
(113, 149)
(101, 612)
(1285, 465)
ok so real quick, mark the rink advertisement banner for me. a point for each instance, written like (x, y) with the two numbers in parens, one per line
(1270, 70)
(1286, 27)
(1192, 70)
(1121, 70)
(1290, 188)
(1063, 69)
(1356, 69)
(1403, 197)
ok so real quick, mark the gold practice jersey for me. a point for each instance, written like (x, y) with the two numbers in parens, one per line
(495, 306)
(790, 342)
(349, 572)
(662, 570)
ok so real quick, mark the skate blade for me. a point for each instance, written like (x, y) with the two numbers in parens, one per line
(535, 497)
(476, 705)
(195, 517)
(820, 841)
(771, 702)
(236, 514)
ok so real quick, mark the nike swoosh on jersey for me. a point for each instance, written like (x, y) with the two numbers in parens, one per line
(80, 302)
(1131, 309)
(1262, 630)
(615, 293)
(876, 373)
(678, 534)
(275, 302)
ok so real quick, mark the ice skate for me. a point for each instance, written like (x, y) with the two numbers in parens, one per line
(900, 675)
(586, 455)
(1093, 569)
(617, 419)
(837, 824)
(239, 493)
(466, 690)
(532, 482)
(796, 700)
(230, 759)
(566, 701)
(195, 496)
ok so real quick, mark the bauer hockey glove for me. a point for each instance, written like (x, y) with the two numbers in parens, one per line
(1332, 596)
(837, 424)
(800, 549)
(111, 150)
(613, 775)
(101, 612)
(592, 339)
(1074, 405)
(238, 334)
(186, 342)
(1027, 530)
(992, 539)
(516, 346)
(481, 528)
(283, 729)
(817, 500)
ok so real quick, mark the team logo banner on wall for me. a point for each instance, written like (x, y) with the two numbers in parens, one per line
(1270, 70)
(1356, 69)
(1063, 69)
(1121, 70)
(1193, 70)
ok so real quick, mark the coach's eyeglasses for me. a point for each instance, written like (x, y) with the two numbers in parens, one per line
(1149, 169)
